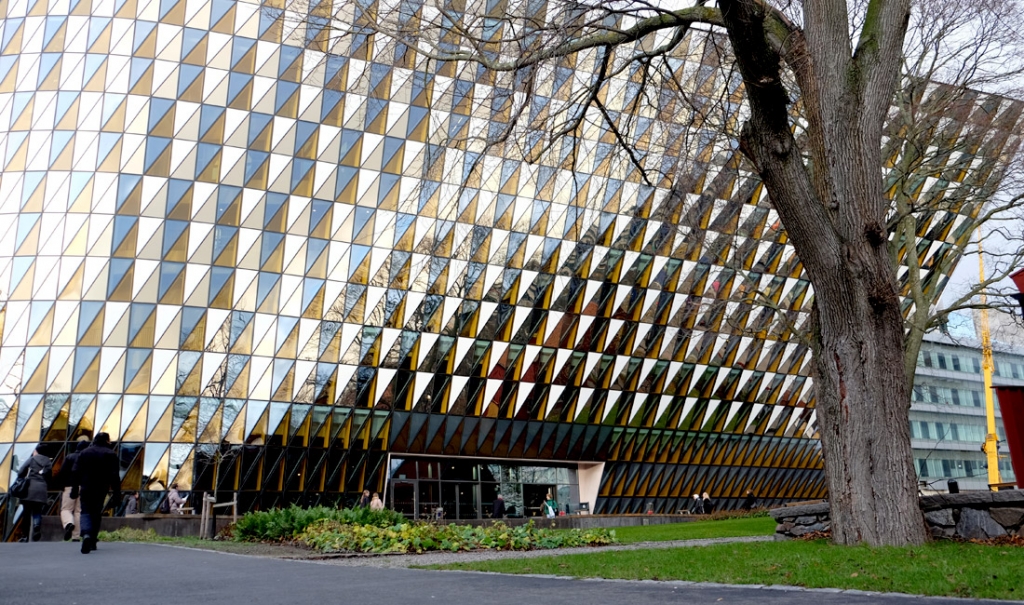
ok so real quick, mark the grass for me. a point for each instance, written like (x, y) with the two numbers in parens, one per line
(694, 530)
(939, 568)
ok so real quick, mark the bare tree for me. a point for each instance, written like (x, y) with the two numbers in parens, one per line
(956, 176)
(859, 118)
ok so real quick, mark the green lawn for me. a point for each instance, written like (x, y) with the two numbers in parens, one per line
(941, 568)
(727, 528)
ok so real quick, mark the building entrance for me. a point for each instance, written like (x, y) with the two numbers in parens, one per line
(460, 488)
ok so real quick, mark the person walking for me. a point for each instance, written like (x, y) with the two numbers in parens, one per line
(376, 503)
(498, 508)
(698, 505)
(132, 506)
(175, 501)
(550, 507)
(364, 501)
(98, 472)
(70, 508)
(37, 472)
(709, 504)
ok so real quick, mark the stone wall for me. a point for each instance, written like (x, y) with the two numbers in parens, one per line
(971, 516)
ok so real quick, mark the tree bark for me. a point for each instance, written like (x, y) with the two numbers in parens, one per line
(863, 403)
(836, 224)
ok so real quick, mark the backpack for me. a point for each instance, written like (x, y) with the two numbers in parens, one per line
(165, 506)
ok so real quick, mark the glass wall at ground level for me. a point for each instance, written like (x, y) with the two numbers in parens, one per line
(460, 488)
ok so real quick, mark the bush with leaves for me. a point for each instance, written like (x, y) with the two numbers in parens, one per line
(721, 515)
(332, 536)
(285, 523)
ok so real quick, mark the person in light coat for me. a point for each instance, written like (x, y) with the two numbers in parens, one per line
(70, 508)
(38, 470)
(376, 503)
(175, 500)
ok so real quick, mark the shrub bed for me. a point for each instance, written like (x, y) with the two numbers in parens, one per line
(329, 535)
(128, 534)
(285, 523)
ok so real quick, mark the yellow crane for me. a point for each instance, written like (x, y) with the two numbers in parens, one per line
(991, 445)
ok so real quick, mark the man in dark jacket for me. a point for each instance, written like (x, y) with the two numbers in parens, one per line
(98, 471)
(70, 508)
(499, 508)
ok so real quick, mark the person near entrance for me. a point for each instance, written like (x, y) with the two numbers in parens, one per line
(550, 507)
(498, 508)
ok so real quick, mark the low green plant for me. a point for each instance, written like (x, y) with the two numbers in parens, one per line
(128, 534)
(285, 523)
(332, 536)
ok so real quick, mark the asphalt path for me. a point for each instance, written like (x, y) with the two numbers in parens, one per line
(143, 574)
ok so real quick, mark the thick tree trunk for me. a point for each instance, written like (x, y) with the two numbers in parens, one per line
(863, 402)
(834, 216)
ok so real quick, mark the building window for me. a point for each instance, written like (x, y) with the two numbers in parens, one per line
(977, 398)
(942, 361)
(947, 468)
(924, 431)
(933, 394)
(922, 467)
(1015, 369)
(956, 397)
(956, 363)
(927, 359)
(976, 364)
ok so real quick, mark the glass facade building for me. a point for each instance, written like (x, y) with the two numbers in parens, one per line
(947, 411)
(271, 250)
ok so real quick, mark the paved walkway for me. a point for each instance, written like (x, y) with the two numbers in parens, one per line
(150, 574)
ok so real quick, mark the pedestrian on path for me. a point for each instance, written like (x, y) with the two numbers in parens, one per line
(698, 505)
(37, 471)
(71, 508)
(98, 472)
(709, 504)
(364, 501)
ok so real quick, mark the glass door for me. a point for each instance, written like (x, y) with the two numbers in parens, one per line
(403, 498)
(469, 501)
(428, 503)
(450, 501)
